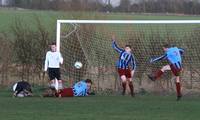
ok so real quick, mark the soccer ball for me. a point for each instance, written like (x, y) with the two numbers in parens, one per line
(78, 65)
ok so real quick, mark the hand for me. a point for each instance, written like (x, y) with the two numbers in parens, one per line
(151, 60)
(113, 37)
(45, 70)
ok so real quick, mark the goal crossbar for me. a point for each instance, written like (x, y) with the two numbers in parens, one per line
(59, 22)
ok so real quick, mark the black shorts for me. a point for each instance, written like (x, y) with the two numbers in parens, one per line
(54, 73)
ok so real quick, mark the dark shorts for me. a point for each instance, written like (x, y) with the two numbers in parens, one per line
(66, 92)
(54, 73)
(176, 71)
(126, 72)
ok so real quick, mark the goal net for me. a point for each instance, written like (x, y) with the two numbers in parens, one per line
(89, 41)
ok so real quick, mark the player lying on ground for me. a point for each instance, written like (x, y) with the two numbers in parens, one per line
(22, 89)
(52, 64)
(81, 88)
(173, 55)
(125, 71)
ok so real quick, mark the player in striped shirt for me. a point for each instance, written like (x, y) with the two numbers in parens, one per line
(52, 64)
(126, 66)
(173, 55)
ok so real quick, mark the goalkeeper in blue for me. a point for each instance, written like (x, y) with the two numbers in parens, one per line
(126, 66)
(173, 55)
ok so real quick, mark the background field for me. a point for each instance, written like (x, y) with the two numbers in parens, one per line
(142, 107)
(49, 17)
(107, 106)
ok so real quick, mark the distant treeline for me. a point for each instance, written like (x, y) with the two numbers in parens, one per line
(139, 6)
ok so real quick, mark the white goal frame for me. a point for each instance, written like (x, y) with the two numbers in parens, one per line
(59, 22)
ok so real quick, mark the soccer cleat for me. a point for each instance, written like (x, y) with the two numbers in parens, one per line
(132, 94)
(123, 92)
(179, 98)
(151, 77)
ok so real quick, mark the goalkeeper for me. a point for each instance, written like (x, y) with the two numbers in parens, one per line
(173, 55)
(52, 64)
(126, 58)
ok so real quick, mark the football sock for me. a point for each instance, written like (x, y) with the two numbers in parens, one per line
(178, 89)
(158, 74)
(131, 88)
(124, 87)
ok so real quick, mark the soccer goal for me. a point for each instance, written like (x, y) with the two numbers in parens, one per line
(89, 41)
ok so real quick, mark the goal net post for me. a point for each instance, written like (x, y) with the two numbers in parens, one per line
(89, 41)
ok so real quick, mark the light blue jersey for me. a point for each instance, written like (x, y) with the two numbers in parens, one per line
(80, 88)
(173, 55)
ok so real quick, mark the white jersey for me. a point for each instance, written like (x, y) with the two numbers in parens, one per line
(53, 60)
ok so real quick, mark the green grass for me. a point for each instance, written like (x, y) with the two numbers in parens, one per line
(147, 107)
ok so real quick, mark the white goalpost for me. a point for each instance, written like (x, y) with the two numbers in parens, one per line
(89, 41)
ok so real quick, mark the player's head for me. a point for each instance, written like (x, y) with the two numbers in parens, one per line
(165, 47)
(53, 47)
(127, 48)
(88, 82)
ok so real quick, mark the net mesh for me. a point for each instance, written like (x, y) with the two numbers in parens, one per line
(91, 44)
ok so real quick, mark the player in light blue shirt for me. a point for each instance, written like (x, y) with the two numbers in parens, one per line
(173, 55)
(81, 88)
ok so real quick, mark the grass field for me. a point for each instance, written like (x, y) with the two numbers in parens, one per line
(142, 107)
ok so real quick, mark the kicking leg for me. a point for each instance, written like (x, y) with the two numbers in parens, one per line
(159, 73)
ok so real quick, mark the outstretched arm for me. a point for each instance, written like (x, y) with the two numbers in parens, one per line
(114, 45)
(158, 58)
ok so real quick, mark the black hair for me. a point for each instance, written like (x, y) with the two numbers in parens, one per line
(88, 81)
(128, 46)
(166, 46)
(53, 43)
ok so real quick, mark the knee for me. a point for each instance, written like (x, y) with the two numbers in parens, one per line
(123, 78)
(177, 79)
(164, 68)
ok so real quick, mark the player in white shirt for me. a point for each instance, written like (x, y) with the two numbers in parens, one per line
(52, 65)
